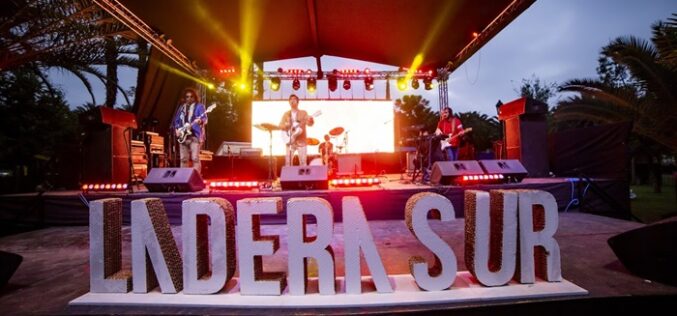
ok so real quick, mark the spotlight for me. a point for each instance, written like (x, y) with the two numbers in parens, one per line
(275, 83)
(346, 84)
(333, 82)
(311, 85)
(401, 83)
(414, 83)
(369, 83)
(428, 83)
(296, 84)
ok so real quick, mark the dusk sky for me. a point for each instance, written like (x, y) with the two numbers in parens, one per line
(554, 40)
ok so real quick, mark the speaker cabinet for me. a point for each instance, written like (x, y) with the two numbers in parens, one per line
(526, 131)
(9, 262)
(448, 172)
(511, 169)
(304, 178)
(649, 251)
(174, 180)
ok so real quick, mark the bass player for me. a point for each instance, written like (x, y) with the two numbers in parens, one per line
(294, 123)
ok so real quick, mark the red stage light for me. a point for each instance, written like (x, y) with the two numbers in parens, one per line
(346, 84)
(296, 84)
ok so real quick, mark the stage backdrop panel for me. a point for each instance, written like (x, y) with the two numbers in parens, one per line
(368, 124)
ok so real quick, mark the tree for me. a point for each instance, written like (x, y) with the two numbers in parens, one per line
(533, 88)
(638, 83)
(73, 35)
(35, 123)
(413, 110)
(485, 129)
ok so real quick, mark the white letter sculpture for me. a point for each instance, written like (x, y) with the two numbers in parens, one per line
(302, 246)
(538, 221)
(443, 272)
(357, 236)
(491, 235)
(200, 239)
(252, 246)
(105, 248)
(154, 250)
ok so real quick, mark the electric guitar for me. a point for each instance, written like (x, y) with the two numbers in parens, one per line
(289, 136)
(187, 129)
(444, 143)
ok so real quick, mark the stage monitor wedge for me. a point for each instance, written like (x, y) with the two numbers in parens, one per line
(511, 169)
(304, 178)
(174, 180)
(449, 172)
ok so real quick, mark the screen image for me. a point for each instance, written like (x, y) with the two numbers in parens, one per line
(368, 125)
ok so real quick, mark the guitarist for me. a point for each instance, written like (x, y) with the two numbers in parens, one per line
(191, 111)
(452, 127)
(294, 122)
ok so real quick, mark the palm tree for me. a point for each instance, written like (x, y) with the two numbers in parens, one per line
(73, 35)
(638, 83)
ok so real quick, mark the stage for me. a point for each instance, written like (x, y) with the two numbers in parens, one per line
(385, 201)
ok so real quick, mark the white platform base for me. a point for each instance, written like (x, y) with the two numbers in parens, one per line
(465, 289)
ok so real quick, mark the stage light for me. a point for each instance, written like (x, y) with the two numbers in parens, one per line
(332, 82)
(211, 86)
(402, 83)
(369, 83)
(428, 83)
(242, 86)
(414, 83)
(296, 84)
(311, 85)
(475, 34)
(275, 84)
(346, 84)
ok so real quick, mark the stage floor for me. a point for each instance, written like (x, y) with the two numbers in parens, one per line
(383, 202)
(55, 270)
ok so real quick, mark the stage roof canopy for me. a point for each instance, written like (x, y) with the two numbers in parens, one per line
(214, 33)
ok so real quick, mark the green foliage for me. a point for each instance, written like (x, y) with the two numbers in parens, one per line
(536, 89)
(638, 83)
(34, 121)
(413, 110)
(485, 129)
(230, 119)
(72, 35)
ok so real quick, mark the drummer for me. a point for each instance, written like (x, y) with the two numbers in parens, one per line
(326, 150)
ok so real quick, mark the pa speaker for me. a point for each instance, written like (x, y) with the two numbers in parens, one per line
(304, 178)
(511, 169)
(649, 251)
(9, 262)
(174, 180)
(449, 172)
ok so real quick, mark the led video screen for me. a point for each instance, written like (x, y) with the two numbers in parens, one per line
(368, 125)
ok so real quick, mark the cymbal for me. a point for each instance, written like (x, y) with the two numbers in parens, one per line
(312, 141)
(336, 131)
(267, 127)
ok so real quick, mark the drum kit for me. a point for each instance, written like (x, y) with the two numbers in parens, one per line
(333, 133)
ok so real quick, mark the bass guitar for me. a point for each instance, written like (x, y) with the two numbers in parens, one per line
(289, 136)
(444, 143)
(187, 129)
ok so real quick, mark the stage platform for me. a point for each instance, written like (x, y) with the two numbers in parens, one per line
(382, 202)
(55, 271)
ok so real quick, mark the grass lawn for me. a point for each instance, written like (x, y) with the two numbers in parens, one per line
(650, 207)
